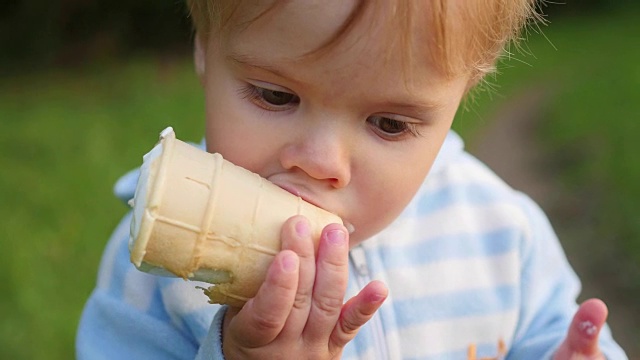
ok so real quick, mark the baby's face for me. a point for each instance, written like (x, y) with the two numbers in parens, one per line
(354, 131)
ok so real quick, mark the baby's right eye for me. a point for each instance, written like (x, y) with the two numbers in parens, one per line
(270, 99)
(277, 98)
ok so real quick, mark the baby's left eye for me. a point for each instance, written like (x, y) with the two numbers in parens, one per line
(390, 127)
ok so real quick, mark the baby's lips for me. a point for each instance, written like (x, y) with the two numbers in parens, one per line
(293, 190)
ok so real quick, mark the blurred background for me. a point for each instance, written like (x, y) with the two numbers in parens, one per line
(85, 87)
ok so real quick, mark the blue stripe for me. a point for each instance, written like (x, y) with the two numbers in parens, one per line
(473, 193)
(362, 342)
(457, 304)
(157, 308)
(459, 246)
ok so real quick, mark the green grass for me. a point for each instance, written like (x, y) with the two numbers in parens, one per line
(68, 135)
(594, 122)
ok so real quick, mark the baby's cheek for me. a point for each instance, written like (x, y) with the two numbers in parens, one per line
(376, 212)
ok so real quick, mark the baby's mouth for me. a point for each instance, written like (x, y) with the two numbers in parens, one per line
(293, 190)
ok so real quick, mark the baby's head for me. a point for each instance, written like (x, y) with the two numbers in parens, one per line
(344, 103)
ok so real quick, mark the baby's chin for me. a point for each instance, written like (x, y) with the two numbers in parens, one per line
(374, 222)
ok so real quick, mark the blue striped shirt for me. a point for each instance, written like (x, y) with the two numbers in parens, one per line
(471, 265)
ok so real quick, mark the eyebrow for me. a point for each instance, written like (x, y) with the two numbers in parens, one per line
(418, 107)
(253, 62)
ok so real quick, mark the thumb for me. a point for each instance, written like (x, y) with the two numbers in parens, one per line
(582, 337)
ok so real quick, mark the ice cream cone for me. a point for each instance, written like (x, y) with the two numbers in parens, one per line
(200, 217)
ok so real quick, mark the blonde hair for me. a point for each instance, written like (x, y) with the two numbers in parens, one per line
(468, 37)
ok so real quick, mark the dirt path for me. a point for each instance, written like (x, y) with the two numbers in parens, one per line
(508, 146)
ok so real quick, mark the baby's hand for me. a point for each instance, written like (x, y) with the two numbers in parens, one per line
(298, 313)
(582, 338)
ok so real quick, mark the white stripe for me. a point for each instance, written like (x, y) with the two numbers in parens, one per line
(183, 298)
(456, 334)
(454, 275)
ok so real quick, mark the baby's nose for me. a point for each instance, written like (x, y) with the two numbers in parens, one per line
(323, 154)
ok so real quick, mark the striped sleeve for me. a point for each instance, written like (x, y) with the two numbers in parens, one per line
(134, 315)
(549, 289)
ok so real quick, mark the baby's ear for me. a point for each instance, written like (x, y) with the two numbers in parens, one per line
(199, 57)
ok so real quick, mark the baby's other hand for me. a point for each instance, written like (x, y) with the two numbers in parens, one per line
(581, 342)
(299, 311)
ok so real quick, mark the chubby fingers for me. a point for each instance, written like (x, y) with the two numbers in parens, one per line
(582, 337)
(262, 318)
(296, 236)
(357, 311)
(330, 283)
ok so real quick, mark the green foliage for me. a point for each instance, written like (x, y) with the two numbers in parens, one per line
(592, 125)
(40, 33)
(68, 137)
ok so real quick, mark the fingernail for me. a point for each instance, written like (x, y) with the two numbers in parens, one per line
(377, 297)
(336, 237)
(289, 263)
(302, 228)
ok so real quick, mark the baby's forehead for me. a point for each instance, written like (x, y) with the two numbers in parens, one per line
(304, 31)
(457, 36)
(302, 27)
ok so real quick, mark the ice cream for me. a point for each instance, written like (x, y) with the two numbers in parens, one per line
(200, 217)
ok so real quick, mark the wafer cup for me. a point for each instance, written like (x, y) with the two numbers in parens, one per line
(199, 217)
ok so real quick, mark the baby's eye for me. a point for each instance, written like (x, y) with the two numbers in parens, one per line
(277, 98)
(391, 128)
(269, 99)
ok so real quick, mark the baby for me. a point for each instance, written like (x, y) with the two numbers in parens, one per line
(349, 104)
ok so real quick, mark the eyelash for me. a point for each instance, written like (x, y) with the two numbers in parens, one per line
(407, 128)
(256, 96)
